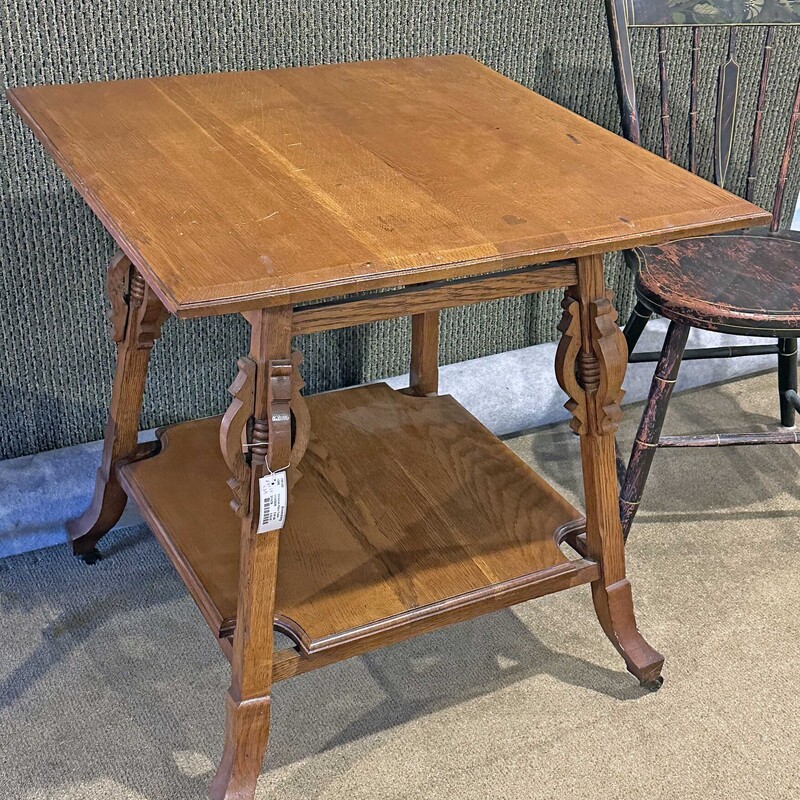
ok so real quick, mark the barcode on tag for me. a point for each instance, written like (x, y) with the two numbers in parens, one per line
(272, 502)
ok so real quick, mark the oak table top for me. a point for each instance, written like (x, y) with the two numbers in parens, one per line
(237, 191)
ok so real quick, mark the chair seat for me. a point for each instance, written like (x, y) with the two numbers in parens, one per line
(746, 283)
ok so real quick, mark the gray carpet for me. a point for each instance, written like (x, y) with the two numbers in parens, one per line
(111, 687)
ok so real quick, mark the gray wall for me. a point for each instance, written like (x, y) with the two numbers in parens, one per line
(55, 357)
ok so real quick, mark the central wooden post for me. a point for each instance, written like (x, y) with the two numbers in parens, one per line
(424, 372)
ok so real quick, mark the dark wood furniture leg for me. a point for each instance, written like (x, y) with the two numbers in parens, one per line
(270, 369)
(601, 365)
(425, 353)
(636, 324)
(649, 432)
(787, 379)
(136, 319)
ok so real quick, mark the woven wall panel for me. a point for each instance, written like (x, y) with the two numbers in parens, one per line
(55, 358)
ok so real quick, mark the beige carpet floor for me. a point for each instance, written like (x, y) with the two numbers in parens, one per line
(111, 687)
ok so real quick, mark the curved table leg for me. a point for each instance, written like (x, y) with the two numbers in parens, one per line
(601, 362)
(136, 316)
(246, 735)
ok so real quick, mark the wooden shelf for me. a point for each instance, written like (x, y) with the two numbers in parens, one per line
(408, 515)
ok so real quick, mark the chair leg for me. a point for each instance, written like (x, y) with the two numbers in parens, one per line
(646, 442)
(636, 324)
(787, 378)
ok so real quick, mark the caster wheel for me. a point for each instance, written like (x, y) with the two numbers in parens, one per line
(653, 686)
(92, 557)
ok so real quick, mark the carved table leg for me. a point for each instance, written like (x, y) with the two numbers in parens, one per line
(268, 390)
(136, 316)
(591, 366)
(246, 735)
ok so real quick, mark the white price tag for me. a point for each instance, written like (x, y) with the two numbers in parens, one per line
(272, 502)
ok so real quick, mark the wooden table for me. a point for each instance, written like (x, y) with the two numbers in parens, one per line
(268, 194)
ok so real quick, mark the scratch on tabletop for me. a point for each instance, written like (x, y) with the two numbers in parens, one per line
(253, 221)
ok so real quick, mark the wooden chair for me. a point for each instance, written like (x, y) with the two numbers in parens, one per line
(742, 283)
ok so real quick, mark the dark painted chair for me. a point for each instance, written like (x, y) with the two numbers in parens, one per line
(745, 283)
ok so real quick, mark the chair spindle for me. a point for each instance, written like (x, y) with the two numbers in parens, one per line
(617, 16)
(727, 92)
(664, 82)
(752, 170)
(777, 206)
(693, 82)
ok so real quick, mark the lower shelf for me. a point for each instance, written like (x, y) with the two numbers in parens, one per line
(408, 514)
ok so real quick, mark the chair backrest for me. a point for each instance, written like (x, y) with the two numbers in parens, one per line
(698, 16)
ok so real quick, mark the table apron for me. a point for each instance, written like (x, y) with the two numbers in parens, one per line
(433, 296)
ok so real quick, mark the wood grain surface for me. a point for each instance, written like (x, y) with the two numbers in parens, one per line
(743, 284)
(234, 191)
(423, 298)
(404, 503)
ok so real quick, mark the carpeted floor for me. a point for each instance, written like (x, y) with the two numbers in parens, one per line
(111, 687)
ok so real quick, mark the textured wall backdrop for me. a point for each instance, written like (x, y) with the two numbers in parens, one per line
(55, 357)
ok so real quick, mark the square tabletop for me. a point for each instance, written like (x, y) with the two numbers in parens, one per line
(238, 190)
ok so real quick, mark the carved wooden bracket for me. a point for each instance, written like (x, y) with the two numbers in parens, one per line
(302, 419)
(118, 279)
(279, 420)
(273, 440)
(569, 348)
(233, 434)
(148, 312)
(287, 441)
(133, 302)
(611, 352)
(593, 375)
